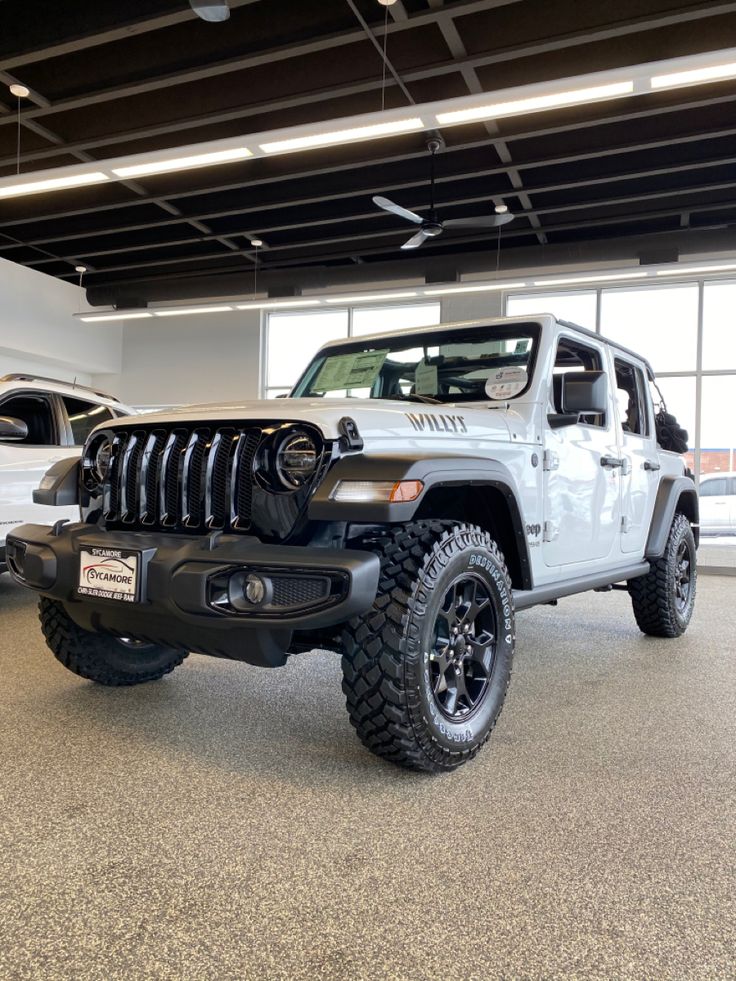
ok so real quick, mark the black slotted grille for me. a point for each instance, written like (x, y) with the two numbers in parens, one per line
(181, 478)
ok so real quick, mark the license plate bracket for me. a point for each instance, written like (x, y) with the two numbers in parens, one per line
(109, 573)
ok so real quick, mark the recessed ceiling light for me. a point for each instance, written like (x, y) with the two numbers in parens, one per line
(52, 184)
(275, 304)
(501, 209)
(536, 103)
(132, 315)
(709, 73)
(487, 287)
(350, 135)
(185, 311)
(20, 91)
(183, 163)
(601, 278)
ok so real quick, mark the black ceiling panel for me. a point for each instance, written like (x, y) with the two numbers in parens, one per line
(109, 79)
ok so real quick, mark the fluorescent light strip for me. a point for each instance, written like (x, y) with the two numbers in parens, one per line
(536, 103)
(53, 184)
(697, 269)
(278, 304)
(710, 73)
(363, 298)
(570, 280)
(185, 311)
(449, 290)
(98, 318)
(344, 136)
(183, 163)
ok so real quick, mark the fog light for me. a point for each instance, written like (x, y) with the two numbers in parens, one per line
(254, 589)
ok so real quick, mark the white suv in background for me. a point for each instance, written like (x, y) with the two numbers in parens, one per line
(718, 504)
(42, 421)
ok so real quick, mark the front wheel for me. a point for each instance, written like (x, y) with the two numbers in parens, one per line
(101, 657)
(425, 671)
(664, 599)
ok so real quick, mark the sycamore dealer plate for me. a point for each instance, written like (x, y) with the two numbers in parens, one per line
(110, 573)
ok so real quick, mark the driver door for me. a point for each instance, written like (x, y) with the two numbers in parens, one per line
(581, 492)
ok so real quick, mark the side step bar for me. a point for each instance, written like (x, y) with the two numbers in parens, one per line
(526, 598)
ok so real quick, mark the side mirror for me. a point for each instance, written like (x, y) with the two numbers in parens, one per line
(585, 392)
(12, 429)
(581, 393)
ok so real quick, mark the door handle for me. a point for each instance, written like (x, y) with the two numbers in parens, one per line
(611, 461)
(652, 465)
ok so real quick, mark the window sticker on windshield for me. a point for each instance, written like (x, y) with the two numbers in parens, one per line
(425, 379)
(505, 383)
(357, 370)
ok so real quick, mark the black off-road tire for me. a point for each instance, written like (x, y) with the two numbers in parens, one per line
(658, 610)
(386, 660)
(102, 657)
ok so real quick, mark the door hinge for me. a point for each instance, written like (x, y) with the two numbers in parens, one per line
(625, 525)
(550, 460)
(625, 467)
(549, 531)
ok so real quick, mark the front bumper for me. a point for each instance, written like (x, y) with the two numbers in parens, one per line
(190, 588)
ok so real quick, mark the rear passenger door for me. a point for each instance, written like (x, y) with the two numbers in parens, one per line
(639, 476)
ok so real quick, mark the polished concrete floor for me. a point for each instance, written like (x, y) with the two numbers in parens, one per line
(225, 823)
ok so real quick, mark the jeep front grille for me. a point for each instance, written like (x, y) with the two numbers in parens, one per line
(182, 478)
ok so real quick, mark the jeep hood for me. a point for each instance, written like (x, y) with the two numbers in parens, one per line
(376, 419)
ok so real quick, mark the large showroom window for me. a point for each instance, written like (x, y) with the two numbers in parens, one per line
(292, 338)
(688, 332)
(579, 308)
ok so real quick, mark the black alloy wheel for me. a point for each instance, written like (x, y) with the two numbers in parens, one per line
(683, 576)
(462, 659)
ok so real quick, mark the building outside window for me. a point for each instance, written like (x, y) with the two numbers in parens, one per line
(294, 337)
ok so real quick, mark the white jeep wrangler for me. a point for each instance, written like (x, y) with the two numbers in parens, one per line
(414, 491)
(42, 421)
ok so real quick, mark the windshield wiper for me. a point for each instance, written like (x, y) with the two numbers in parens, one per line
(413, 397)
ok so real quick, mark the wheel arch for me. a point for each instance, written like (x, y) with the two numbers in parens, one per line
(471, 489)
(675, 495)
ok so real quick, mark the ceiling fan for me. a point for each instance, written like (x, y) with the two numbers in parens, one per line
(432, 225)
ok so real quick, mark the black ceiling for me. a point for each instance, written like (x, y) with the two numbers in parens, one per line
(110, 78)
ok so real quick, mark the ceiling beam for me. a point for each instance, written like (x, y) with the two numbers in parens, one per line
(267, 57)
(571, 39)
(122, 32)
(313, 245)
(295, 203)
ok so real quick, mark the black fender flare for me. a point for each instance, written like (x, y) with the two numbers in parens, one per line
(671, 492)
(439, 471)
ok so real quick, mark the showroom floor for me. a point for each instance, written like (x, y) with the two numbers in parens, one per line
(225, 823)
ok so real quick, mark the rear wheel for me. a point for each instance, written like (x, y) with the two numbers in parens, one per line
(664, 599)
(426, 669)
(101, 657)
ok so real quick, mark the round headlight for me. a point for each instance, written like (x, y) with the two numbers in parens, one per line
(296, 460)
(97, 461)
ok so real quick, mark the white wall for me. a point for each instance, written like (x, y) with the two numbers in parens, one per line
(198, 358)
(39, 334)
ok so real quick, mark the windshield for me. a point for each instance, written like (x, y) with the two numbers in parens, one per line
(459, 365)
